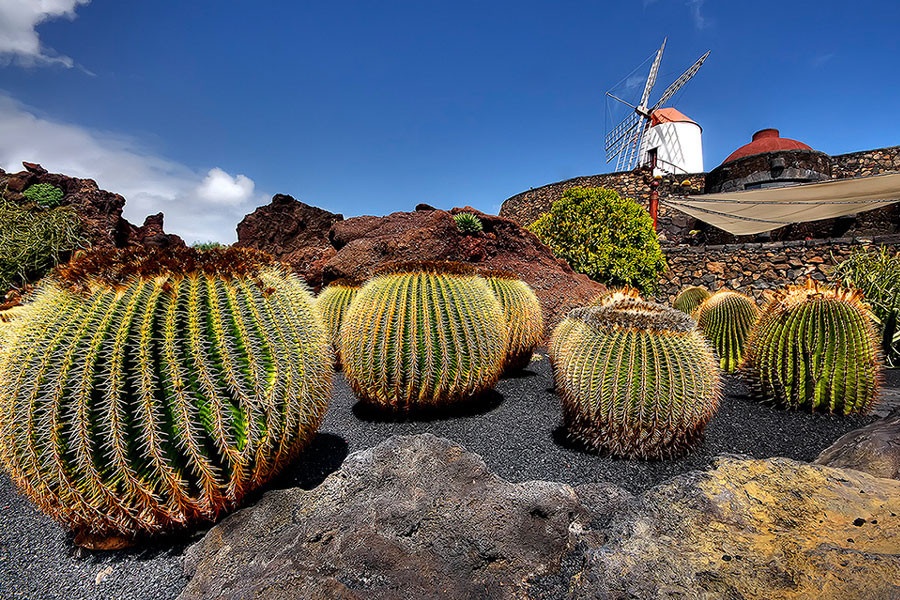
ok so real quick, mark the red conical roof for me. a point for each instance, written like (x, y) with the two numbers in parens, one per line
(766, 140)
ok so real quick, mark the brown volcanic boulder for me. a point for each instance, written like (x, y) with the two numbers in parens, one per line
(151, 233)
(293, 232)
(365, 243)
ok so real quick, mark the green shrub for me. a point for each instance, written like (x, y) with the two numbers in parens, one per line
(876, 273)
(143, 391)
(468, 223)
(204, 246)
(34, 241)
(606, 237)
(44, 195)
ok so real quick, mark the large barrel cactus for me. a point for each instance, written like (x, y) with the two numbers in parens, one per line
(422, 335)
(332, 303)
(523, 316)
(615, 295)
(726, 319)
(140, 392)
(815, 347)
(690, 298)
(637, 379)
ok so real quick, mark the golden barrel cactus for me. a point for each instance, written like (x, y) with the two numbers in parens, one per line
(332, 303)
(613, 295)
(523, 316)
(726, 318)
(690, 298)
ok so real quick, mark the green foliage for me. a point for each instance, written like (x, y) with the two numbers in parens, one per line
(815, 348)
(423, 335)
(637, 379)
(204, 246)
(44, 195)
(468, 223)
(141, 392)
(726, 319)
(876, 273)
(523, 317)
(690, 298)
(332, 303)
(34, 241)
(606, 237)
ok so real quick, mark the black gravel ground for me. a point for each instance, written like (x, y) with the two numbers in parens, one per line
(517, 433)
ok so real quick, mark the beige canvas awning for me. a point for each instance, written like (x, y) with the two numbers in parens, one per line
(755, 211)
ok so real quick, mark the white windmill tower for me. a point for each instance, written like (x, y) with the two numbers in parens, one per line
(660, 137)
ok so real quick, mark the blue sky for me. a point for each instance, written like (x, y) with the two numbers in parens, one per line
(204, 109)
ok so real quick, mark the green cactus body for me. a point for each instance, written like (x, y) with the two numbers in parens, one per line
(523, 316)
(422, 335)
(815, 348)
(468, 223)
(332, 304)
(637, 379)
(160, 391)
(690, 298)
(726, 319)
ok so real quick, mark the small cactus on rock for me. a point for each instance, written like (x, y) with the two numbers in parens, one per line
(815, 347)
(141, 391)
(468, 223)
(690, 298)
(726, 318)
(422, 335)
(523, 316)
(332, 303)
(637, 379)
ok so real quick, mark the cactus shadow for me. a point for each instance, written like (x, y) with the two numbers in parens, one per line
(520, 374)
(478, 405)
(324, 455)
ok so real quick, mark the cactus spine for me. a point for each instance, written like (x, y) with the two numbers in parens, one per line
(637, 379)
(614, 295)
(523, 317)
(726, 319)
(142, 392)
(690, 298)
(422, 335)
(815, 347)
(332, 304)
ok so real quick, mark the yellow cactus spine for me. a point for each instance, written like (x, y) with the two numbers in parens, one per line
(422, 335)
(726, 319)
(690, 298)
(615, 295)
(143, 391)
(637, 379)
(523, 317)
(816, 348)
(332, 303)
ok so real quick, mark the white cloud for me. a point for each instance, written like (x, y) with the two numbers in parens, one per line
(696, 6)
(219, 187)
(198, 206)
(19, 39)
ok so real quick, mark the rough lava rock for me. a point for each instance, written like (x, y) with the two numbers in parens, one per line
(873, 449)
(151, 233)
(365, 243)
(420, 516)
(293, 232)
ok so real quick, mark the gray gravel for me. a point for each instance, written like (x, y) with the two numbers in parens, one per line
(517, 434)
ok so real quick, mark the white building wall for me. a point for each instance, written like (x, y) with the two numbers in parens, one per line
(679, 148)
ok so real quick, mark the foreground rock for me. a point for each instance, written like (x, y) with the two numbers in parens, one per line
(419, 516)
(873, 449)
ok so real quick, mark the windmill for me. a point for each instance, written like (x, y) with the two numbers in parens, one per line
(624, 142)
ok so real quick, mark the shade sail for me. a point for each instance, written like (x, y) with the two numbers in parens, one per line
(755, 211)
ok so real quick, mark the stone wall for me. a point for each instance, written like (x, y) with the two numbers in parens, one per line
(754, 268)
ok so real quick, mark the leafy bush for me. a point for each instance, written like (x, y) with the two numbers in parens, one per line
(204, 246)
(606, 237)
(876, 273)
(468, 223)
(34, 241)
(44, 195)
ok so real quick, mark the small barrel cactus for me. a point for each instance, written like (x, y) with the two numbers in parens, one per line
(468, 223)
(726, 319)
(690, 298)
(422, 335)
(637, 379)
(523, 316)
(143, 391)
(332, 303)
(615, 295)
(815, 347)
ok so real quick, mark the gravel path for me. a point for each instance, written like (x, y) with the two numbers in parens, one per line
(517, 435)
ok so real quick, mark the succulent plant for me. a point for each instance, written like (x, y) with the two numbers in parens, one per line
(726, 319)
(332, 303)
(614, 295)
(637, 379)
(690, 298)
(523, 316)
(815, 347)
(468, 223)
(421, 335)
(143, 391)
